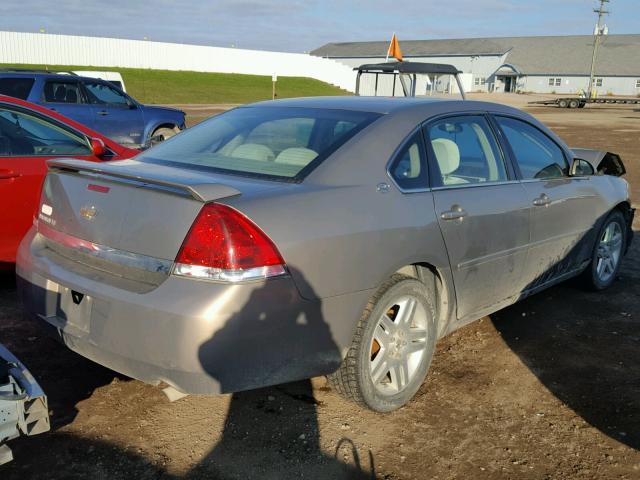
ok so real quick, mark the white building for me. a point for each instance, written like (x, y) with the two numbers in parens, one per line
(558, 64)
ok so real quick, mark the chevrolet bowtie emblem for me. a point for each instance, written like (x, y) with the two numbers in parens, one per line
(88, 212)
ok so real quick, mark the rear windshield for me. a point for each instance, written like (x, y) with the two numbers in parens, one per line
(272, 142)
(16, 87)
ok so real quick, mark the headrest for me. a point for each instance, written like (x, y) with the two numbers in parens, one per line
(296, 156)
(60, 93)
(253, 151)
(447, 154)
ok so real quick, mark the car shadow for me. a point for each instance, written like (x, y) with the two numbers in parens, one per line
(66, 377)
(268, 433)
(583, 346)
(249, 441)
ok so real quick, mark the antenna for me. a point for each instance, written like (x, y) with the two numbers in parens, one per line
(598, 33)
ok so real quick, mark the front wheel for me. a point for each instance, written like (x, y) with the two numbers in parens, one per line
(607, 253)
(392, 347)
(165, 133)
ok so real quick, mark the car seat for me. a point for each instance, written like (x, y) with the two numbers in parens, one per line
(448, 157)
(71, 96)
(253, 151)
(296, 156)
(60, 93)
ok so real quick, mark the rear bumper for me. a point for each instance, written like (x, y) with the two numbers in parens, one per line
(199, 337)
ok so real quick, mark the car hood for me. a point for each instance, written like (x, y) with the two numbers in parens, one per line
(602, 161)
(154, 108)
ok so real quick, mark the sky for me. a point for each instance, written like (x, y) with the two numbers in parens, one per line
(301, 26)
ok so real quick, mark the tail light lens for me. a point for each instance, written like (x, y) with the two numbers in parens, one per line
(224, 245)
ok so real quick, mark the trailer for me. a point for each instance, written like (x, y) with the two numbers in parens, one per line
(580, 102)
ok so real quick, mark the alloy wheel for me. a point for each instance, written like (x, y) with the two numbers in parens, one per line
(609, 251)
(398, 345)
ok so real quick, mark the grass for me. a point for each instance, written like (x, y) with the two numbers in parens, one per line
(168, 87)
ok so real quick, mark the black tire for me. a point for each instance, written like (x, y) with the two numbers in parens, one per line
(166, 133)
(353, 379)
(574, 103)
(591, 276)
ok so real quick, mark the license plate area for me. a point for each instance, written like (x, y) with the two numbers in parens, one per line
(73, 309)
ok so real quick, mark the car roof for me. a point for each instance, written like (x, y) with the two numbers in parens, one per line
(18, 73)
(386, 105)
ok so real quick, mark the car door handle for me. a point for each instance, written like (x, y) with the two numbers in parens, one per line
(542, 201)
(456, 213)
(8, 174)
(103, 113)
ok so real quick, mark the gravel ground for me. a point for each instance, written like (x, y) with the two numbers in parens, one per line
(547, 388)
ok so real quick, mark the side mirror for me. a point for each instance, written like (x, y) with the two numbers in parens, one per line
(581, 168)
(98, 148)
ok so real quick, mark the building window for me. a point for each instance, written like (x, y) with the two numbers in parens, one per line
(479, 81)
(555, 82)
(638, 83)
(558, 82)
(597, 82)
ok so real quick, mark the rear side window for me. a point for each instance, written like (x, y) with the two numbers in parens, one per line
(537, 156)
(275, 142)
(16, 87)
(466, 151)
(409, 167)
(56, 91)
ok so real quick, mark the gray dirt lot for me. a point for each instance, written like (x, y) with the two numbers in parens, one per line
(548, 388)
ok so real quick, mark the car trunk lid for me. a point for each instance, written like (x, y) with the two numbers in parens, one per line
(126, 218)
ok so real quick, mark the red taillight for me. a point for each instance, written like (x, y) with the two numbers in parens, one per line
(223, 244)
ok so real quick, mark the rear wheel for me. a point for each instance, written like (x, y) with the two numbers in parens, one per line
(391, 349)
(607, 253)
(574, 104)
(563, 103)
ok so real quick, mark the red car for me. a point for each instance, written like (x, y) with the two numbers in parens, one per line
(29, 136)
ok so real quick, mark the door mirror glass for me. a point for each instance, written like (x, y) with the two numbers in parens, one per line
(581, 168)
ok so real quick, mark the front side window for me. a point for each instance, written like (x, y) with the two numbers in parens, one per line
(16, 87)
(284, 143)
(103, 94)
(22, 134)
(56, 91)
(537, 156)
(408, 169)
(466, 151)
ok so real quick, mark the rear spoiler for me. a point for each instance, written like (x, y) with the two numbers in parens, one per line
(203, 192)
